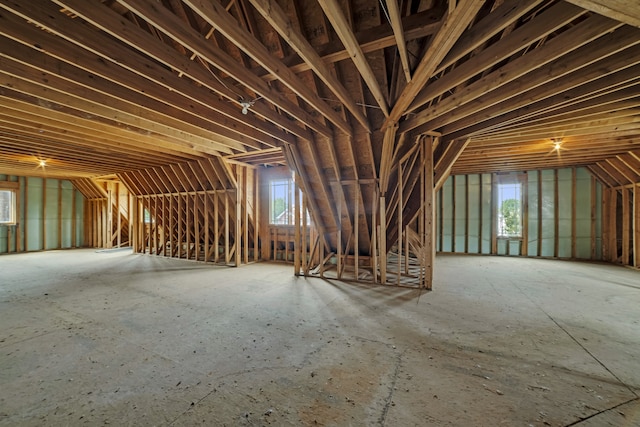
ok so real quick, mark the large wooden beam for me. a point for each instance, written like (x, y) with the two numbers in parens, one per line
(559, 56)
(274, 14)
(536, 29)
(398, 32)
(503, 16)
(216, 15)
(626, 11)
(445, 163)
(333, 11)
(452, 27)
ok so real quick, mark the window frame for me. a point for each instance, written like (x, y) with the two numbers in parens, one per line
(12, 188)
(289, 207)
(517, 183)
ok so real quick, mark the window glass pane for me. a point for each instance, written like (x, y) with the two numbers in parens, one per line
(7, 206)
(510, 210)
(280, 202)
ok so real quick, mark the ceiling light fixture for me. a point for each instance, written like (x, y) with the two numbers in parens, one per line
(245, 106)
(42, 163)
(557, 143)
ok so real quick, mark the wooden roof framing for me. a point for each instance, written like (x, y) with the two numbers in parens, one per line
(339, 90)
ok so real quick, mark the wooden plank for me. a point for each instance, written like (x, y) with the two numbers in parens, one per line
(216, 227)
(335, 14)
(396, 23)
(453, 213)
(429, 212)
(556, 213)
(502, 17)
(171, 25)
(621, 10)
(494, 215)
(382, 245)
(451, 29)
(613, 229)
(59, 210)
(592, 205)
(206, 207)
(535, 29)
(626, 226)
(43, 222)
(297, 243)
(636, 226)
(574, 211)
(467, 212)
(227, 254)
(274, 14)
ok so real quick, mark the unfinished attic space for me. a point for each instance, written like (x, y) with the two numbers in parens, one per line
(320, 212)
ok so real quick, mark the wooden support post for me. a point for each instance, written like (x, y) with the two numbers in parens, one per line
(613, 229)
(59, 245)
(574, 210)
(180, 227)
(399, 223)
(304, 236)
(593, 217)
(429, 214)
(196, 225)
(374, 237)
(339, 238)
(245, 196)
(453, 213)
(606, 196)
(256, 215)
(356, 232)
(539, 248)
(216, 227)
(227, 254)
(43, 222)
(467, 211)
(238, 240)
(636, 226)
(119, 216)
(556, 214)
(109, 234)
(524, 250)
(297, 244)
(382, 236)
(206, 227)
(626, 226)
(74, 244)
(188, 225)
(494, 215)
(480, 215)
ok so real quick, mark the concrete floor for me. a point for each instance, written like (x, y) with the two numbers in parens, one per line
(96, 338)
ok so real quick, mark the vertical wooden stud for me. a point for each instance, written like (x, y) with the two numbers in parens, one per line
(592, 203)
(556, 214)
(626, 226)
(59, 245)
(574, 210)
(636, 225)
(613, 225)
(429, 213)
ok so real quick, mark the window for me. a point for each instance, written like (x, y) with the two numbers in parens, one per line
(509, 209)
(281, 202)
(7, 207)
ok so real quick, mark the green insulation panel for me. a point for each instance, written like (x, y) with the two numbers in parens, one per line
(561, 215)
(45, 210)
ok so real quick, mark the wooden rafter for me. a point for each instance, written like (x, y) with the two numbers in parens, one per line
(334, 12)
(274, 14)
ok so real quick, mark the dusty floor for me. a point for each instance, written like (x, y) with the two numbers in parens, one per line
(121, 339)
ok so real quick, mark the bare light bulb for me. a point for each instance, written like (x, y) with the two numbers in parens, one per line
(43, 163)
